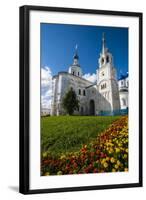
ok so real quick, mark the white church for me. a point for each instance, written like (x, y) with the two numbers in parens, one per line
(108, 96)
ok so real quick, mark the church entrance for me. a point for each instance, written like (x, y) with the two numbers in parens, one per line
(82, 111)
(92, 107)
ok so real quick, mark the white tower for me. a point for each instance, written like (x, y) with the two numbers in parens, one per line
(75, 68)
(123, 91)
(106, 76)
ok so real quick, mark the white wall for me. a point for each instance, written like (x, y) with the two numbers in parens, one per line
(9, 86)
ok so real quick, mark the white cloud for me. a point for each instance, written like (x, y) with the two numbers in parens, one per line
(46, 87)
(90, 77)
(46, 76)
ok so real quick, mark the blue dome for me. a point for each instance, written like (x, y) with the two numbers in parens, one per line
(122, 76)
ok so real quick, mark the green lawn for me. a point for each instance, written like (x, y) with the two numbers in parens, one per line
(61, 134)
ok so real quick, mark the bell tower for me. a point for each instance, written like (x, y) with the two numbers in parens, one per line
(106, 78)
(75, 68)
(105, 55)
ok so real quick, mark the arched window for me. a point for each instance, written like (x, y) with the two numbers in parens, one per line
(103, 86)
(79, 91)
(84, 92)
(123, 102)
(102, 60)
(107, 59)
(78, 73)
(73, 73)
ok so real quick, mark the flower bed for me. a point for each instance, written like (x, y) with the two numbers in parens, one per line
(108, 153)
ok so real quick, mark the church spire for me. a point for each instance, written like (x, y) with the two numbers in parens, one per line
(75, 68)
(76, 57)
(105, 55)
(76, 52)
(76, 47)
(103, 43)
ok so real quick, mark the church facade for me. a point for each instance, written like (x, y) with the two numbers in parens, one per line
(102, 97)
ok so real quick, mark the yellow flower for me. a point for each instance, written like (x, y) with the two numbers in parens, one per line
(125, 156)
(111, 150)
(119, 144)
(113, 170)
(62, 157)
(47, 174)
(105, 165)
(116, 166)
(112, 144)
(117, 150)
(103, 160)
(107, 158)
(59, 173)
(126, 150)
(126, 169)
(112, 160)
(45, 154)
(118, 162)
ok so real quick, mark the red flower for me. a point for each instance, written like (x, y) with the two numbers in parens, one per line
(75, 165)
(95, 170)
(46, 162)
(102, 155)
(92, 154)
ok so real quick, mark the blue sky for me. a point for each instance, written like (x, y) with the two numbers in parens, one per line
(58, 42)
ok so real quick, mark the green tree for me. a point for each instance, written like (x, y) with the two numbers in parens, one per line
(70, 102)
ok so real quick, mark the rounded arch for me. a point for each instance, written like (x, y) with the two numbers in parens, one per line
(102, 60)
(82, 110)
(107, 58)
(79, 91)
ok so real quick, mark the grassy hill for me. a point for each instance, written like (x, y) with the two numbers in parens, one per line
(61, 134)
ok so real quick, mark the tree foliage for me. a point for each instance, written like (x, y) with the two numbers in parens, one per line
(70, 102)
